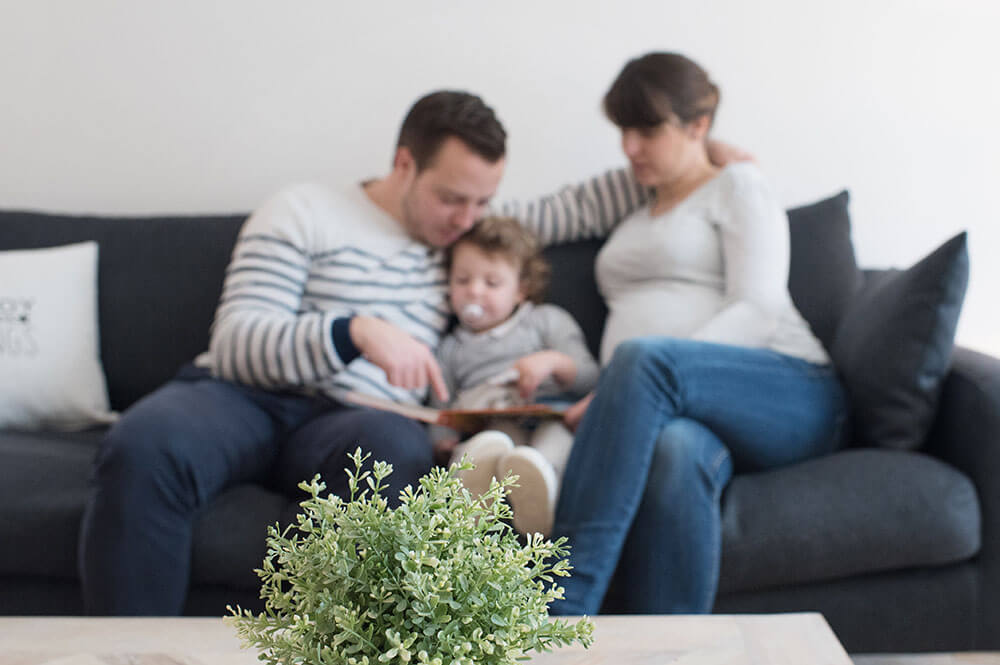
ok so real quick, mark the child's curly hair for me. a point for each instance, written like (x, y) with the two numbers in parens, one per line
(506, 236)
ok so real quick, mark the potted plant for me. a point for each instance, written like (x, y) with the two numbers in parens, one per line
(441, 579)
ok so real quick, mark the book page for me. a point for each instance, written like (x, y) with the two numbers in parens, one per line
(464, 419)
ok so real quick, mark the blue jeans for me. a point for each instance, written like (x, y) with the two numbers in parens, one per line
(670, 422)
(177, 449)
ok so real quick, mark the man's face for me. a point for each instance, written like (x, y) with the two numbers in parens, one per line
(443, 201)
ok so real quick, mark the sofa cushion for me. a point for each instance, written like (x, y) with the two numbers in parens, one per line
(159, 280)
(823, 274)
(894, 343)
(42, 497)
(46, 488)
(50, 364)
(855, 512)
(573, 287)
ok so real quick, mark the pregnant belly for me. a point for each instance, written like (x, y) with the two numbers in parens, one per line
(675, 312)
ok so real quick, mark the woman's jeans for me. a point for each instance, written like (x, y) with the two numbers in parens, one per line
(670, 421)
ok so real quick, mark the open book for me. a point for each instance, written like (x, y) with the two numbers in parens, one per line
(460, 419)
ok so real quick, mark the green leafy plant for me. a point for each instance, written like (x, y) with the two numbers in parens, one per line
(441, 579)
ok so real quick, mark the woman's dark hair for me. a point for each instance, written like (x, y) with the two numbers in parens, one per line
(439, 115)
(658, 87)
(508, 238)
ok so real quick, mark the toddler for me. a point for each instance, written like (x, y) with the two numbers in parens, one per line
(509, 349)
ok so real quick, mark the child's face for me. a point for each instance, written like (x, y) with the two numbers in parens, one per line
(484, 288)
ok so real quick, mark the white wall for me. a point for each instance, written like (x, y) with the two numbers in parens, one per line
(208, 106)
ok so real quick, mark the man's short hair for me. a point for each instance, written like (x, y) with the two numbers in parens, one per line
(440, 115)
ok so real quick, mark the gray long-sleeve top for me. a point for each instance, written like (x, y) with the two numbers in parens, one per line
(469, 359)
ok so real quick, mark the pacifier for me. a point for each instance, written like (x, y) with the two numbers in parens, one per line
(472, 312)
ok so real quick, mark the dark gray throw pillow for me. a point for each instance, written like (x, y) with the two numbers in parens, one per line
(823, 274)
(893, 346)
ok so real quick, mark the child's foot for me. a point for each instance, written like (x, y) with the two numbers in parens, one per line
(484, 450)
(533, 500)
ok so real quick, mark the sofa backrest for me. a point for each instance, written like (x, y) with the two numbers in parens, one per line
(159, 280)
(823, 275)
(573, 287)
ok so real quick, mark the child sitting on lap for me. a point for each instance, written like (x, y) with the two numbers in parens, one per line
(507, 350)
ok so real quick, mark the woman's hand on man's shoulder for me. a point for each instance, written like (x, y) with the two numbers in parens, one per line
(722, 154)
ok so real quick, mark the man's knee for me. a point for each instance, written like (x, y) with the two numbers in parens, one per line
(385, 437)
(132, 447)
(402, 442)
(144, 456)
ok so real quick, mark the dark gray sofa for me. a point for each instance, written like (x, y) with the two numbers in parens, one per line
(899, 550)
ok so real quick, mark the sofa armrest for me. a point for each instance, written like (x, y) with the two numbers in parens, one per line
(966, 434)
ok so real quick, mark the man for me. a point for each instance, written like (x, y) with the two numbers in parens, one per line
(328, 289)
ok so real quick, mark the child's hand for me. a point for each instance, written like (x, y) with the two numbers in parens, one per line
(574, 414)
(534, 368)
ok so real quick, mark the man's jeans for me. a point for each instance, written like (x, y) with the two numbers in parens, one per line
(180, 447)
(669, 423)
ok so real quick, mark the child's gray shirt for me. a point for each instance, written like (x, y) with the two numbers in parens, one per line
(469, 359)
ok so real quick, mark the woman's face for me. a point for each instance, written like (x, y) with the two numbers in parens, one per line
(659, 154)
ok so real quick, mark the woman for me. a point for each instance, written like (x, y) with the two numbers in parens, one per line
(710, 368)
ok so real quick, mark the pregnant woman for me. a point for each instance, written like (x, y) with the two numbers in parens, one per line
(709, 366)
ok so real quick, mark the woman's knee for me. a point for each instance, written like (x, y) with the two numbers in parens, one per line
(688, 452)
(647, 366)
(656, 351)
(635, 352)
(640, 356)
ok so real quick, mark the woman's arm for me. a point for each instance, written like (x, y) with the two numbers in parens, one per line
(755, 252)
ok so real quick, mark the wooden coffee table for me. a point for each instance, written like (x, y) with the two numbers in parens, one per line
(962, 658)
(779, 639)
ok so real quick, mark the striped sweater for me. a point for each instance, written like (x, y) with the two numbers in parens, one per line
(312, 255)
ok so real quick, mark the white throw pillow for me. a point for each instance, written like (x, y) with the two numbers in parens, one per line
(50, 367)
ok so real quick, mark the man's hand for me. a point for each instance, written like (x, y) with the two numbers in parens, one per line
(407, 363)
(574, 414)
(534, 368)
(721, 154)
